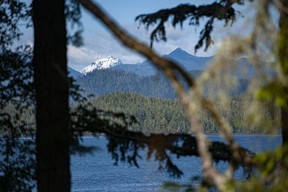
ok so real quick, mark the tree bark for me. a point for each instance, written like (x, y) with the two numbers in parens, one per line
(283, 58)
(52, 113)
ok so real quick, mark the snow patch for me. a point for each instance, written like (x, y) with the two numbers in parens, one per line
(104, 63)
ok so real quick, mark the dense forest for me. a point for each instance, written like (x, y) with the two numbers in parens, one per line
(158, 115)
(155, 115)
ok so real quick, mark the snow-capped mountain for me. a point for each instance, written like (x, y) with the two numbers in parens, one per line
(101, 64)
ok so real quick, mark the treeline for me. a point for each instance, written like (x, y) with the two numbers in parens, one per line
(156, 115)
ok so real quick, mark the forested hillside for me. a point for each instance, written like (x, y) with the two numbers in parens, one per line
(101, 82)
(156, 115)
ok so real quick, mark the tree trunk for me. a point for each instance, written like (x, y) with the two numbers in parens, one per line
(283, 58)
(52, 113)
(284, 122)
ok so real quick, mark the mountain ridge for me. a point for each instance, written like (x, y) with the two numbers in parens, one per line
(146, 68)
(184, 59)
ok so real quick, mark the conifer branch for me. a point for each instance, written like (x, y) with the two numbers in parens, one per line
(170, 69)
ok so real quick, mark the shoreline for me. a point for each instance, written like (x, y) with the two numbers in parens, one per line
(209, 135)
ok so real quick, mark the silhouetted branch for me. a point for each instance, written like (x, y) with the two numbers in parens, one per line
(222, 10)
(124, 145)
(171, 69)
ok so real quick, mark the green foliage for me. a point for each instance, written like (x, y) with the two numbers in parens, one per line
(271, 175)
(274, 92)
(282, 45)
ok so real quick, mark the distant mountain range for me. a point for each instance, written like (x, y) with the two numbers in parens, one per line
(186, 60)
(109, 75)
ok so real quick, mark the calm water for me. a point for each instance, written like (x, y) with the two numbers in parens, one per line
(97, 172)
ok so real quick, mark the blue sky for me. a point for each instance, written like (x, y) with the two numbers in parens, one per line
(99, 43)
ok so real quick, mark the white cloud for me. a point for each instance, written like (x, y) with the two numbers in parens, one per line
(97, 47)
(101, 43)
(78, 58)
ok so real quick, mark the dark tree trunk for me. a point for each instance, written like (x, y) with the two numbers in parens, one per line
(283, 58)
(52, 114)
(284, 122)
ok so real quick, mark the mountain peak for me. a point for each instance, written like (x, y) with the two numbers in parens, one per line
(178, 51)
(103, 63)
(188, 61)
